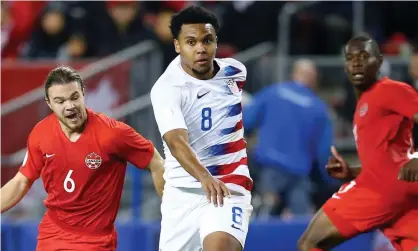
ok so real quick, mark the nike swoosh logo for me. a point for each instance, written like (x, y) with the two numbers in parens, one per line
(199, 96)
(49, 155)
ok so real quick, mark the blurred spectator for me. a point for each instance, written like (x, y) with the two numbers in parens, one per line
(123, 27)
(53, 37)
(17, 20)
(162, 30)
(294, 131)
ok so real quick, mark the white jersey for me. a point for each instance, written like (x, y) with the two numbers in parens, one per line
(211, 111)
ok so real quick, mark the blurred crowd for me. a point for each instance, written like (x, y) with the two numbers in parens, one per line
(78, 30)
(84, 29)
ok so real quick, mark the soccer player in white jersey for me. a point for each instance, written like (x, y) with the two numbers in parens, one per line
(197, 105)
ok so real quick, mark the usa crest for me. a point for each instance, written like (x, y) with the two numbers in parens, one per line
(232, 86)
(93, 160)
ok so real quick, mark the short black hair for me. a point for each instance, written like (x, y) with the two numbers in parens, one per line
(366, 39)
(62, 75)
(192, 15)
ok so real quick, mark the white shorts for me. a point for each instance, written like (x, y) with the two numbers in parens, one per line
(187, 218)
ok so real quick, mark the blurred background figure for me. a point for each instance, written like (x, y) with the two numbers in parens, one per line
(294, 132)
(17, 22)
(123, 27)
(53, 36)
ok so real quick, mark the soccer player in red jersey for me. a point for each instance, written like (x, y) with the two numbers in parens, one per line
(81, 157)
(383, 193)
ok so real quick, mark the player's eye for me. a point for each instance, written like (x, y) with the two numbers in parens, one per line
(75, 97)
(60, 102)
(207, 41)
(190, 42)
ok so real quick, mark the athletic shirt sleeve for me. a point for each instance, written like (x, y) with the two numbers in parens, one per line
(166, 103)
(132, 147)
(400, 98)
(34, 160)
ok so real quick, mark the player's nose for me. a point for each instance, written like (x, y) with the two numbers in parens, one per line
(357, 62)
(70, 106)
(201, 48)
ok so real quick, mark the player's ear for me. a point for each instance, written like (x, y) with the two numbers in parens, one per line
(177, 45)
(380, 60)
(48, 103)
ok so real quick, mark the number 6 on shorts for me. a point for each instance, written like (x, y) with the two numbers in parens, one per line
(237, 218)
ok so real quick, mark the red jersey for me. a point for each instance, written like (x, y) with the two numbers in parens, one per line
(84, 179)
(383, 124)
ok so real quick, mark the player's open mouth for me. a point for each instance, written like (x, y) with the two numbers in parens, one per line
(358, 76)
(73, 117)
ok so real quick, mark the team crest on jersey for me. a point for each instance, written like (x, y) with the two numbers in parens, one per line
(93, 160)
(232, 86)
(363, 109)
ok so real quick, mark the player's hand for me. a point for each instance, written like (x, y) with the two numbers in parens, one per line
(215, 190)
(409, 172)
(337, 167)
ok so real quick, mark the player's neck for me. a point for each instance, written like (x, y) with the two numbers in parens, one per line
(73, 134)
(359, 91)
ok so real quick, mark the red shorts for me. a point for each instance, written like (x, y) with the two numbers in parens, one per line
(403, 232)
(357, 209)
(51, 238)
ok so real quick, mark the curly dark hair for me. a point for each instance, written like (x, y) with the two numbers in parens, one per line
(192, 15)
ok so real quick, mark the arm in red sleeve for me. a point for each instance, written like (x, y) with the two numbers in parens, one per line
(34, 160)
(132, 147)
(400, 98)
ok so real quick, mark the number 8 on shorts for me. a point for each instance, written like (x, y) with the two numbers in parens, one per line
(236, 218)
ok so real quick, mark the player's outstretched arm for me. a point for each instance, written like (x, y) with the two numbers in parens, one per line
(156, 166)
(177, 140)
(14, 191)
